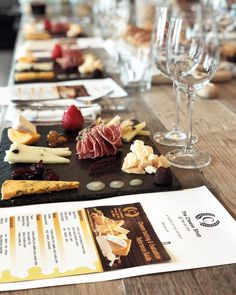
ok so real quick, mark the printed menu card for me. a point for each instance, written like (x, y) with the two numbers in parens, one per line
(66, 243)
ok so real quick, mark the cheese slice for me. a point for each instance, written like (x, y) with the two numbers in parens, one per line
(14, 188)
(121, 230)
(24, 66)
(119, 246)
(123, 251)
(23, 124)
(116, 242)
(20, 153)
(63, 152)
(106, 249)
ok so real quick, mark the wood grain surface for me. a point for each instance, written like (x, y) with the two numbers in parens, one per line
(215, 124)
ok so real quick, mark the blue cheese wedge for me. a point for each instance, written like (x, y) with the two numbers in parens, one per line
(15, 188)
(20, 153)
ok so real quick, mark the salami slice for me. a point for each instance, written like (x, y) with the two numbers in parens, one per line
(99, 141)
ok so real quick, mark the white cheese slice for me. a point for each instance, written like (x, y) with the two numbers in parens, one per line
(63, 152)
(20, 153)
(106, 249)
(24, 66)
(23, 124)
(116, 241)
(44, 66)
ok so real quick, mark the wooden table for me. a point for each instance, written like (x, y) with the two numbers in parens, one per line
(215, 123)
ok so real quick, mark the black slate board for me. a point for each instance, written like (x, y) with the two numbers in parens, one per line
(67, 75)
(71, 73)
(78, 170)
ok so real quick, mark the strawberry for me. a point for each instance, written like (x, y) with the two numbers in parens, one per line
(47, 25)
(72, 119)
(57, 51)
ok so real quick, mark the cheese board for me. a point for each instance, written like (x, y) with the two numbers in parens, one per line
(46, 29)
(105, 170)
(75, 64)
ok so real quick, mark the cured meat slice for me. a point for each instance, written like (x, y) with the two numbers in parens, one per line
(98, 147)
(108, 149)
(70, 58)
(98, 141)
(110, 133)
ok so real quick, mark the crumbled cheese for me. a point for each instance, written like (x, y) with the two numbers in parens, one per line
(142, 159)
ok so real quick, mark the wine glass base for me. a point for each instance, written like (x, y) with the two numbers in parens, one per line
(182, 159)
(173, 138)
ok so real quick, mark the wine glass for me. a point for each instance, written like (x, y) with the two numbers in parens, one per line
(192, 57)
(225, 15)
(176, 136)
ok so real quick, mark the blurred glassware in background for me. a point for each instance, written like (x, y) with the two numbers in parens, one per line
(81, 10)
(225, 14)
(145, 12)
(111, 16)
(192, 59)
(135, 59)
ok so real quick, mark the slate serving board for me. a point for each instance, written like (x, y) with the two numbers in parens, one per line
(80, 170)
(71, 73)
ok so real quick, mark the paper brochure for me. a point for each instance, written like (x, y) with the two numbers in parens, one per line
(75, 242)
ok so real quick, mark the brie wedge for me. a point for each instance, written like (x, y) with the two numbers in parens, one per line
(23, 124)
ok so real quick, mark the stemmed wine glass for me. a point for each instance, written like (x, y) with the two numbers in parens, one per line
(192, 57)
(176, 136)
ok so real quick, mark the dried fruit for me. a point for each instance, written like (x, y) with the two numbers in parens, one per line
(51, 175)
(163, 176)
(22, 136)
(55, 139)
(72, 119)
(38, 168)
(35, 171)
(62, 139)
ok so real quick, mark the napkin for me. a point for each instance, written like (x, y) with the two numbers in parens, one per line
(49, 115)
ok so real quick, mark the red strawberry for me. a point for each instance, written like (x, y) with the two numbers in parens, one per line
(47, 25)
(57, 51)
(72, 119)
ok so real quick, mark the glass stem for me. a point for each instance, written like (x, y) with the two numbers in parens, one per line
(177, 102)
(190, 98)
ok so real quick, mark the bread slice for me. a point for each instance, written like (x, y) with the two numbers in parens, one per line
(14, 188)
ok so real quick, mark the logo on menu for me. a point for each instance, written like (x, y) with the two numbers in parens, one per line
(131, 211)
(207, 219)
